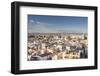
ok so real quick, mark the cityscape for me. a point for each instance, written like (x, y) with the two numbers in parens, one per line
(49, 42)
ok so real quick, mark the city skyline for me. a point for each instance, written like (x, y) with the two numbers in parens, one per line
(57, 24)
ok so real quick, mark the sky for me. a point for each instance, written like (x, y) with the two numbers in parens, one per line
(57, 24)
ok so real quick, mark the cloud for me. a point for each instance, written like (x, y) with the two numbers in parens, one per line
(40, 27)
(31, 21)
(43, 27)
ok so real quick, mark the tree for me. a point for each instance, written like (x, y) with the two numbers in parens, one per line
(85, 37)
(69, 38)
